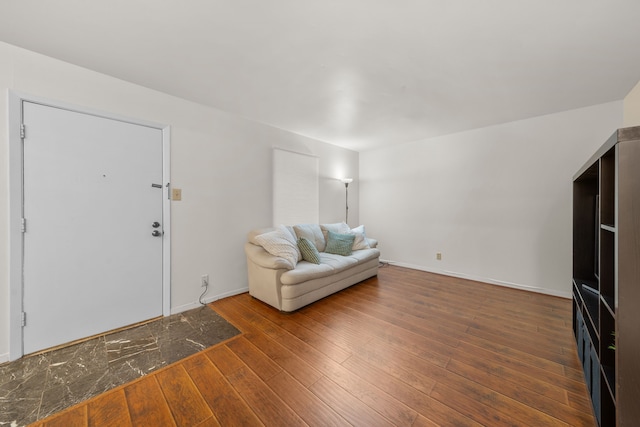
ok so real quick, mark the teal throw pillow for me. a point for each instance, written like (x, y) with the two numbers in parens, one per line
(339, 244)
(308, 250)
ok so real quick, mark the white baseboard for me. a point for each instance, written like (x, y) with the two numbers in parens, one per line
(490, 281)
(4, 358)
(207, 300)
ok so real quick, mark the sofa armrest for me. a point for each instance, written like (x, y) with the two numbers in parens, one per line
(372, 242)
(262, 258)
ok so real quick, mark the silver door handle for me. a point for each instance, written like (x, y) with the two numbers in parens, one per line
(155, 224)
(155, 233)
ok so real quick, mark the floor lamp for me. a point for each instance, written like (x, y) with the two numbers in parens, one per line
(346, 182)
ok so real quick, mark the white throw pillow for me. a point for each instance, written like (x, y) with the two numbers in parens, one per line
(287, 230)
(281, 243)
(360, 241)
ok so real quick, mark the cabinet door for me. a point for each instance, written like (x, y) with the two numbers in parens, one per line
(586, 360)
(580, 338)
(595, 381)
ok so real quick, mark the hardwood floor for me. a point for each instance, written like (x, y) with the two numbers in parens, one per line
(407, 348)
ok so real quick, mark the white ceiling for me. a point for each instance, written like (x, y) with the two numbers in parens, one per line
(356, 73)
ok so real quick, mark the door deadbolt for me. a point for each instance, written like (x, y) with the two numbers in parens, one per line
(156, 224)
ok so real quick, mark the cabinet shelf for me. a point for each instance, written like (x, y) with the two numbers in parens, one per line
(608, 227)
(607, 303)
(606, 253)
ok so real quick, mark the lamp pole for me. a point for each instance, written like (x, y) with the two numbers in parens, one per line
(346, 182)
(346, 202)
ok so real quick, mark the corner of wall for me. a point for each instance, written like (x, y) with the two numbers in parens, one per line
(632, 107)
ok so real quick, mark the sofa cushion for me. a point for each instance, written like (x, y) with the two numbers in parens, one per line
(306, 271)
(308, 250)
(339, 244)
(281, 243)
(311, 232)
(365, 254)
(299, 294)
(338, 262)
(330, 264)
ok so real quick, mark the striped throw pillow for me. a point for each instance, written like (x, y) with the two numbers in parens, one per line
(308, 250)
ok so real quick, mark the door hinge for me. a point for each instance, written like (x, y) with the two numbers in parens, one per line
(23, 319)
(23, 225)
(22, 131)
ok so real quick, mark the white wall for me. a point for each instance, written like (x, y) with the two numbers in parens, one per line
(222, 163)
(632, 107)
(496, 202)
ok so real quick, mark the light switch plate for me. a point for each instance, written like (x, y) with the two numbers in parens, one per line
(176, 194)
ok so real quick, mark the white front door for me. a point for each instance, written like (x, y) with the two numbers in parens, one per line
(93, 200)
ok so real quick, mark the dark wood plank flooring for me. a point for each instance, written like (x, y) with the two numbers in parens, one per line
(407, 348)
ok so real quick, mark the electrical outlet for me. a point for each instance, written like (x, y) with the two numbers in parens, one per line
(439, 256)
(204, 280)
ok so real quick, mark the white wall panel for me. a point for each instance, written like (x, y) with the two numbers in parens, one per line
(496, 202)
(295, 188)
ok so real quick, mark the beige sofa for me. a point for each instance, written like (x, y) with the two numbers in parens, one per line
(280, 277)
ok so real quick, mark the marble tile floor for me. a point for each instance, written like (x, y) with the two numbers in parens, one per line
(37, 386)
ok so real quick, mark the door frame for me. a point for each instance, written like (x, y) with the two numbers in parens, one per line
(16, 207)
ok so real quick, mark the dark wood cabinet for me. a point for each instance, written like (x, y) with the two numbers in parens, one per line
(606, 277)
